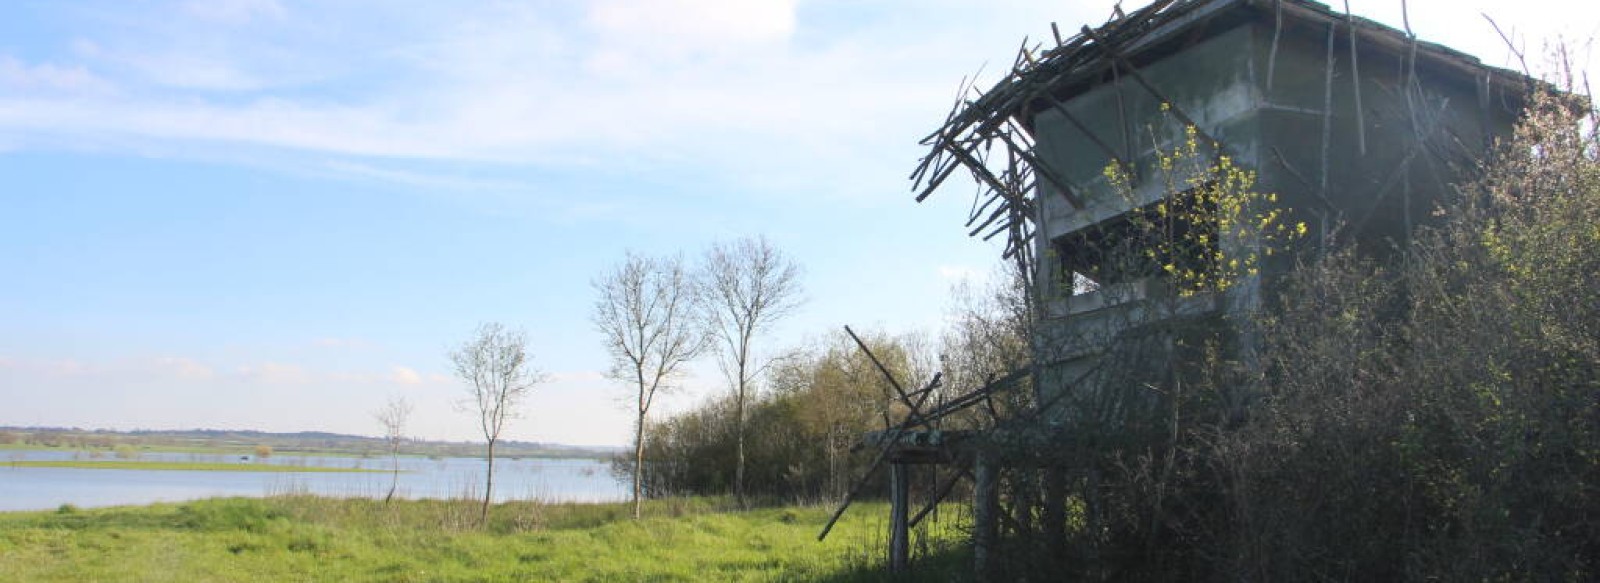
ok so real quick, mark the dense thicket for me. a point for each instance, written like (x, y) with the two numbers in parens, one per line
(1436, 416)
(820, 400)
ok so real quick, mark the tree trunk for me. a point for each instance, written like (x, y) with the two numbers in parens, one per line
(834, 486)
(738, 468)
(638, 466)
(488, 487)
(394, 481)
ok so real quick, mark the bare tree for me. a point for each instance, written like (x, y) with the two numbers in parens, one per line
(498, 376)
(646, 312)
(745, 287)
(988, 335)
(393, 416)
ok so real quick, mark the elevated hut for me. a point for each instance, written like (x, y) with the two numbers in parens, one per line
(1357, 130)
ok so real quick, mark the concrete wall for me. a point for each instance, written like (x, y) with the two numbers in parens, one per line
(1274, 108)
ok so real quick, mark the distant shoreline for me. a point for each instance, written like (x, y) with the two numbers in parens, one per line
(249, 442)
(116, 465)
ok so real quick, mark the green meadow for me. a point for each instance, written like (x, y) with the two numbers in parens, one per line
(306, 538)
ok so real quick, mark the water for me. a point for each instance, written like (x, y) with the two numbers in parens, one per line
(550, 480)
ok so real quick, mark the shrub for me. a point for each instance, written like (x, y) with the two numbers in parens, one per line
(1427, 417)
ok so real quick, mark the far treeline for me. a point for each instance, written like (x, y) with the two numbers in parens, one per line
(785, 424)
(818, 399)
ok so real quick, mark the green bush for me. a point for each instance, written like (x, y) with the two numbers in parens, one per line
(1431, 416)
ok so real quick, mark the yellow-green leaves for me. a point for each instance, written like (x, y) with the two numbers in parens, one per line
(1210, 227)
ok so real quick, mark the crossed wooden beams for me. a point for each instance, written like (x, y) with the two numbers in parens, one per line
(916, 440)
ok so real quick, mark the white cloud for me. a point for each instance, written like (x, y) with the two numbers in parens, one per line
(757, 93)
(345, 130)
(419, 179)
(194, 71)
(65, 368)
(18, 76)
(577, 376)
(656, 29)
(405, 376)
(274, 373)
(342, 343)
(234, 11)
(185, 369)
(45, 368)
(178, 370)
(508, 85)
(161, 369)
(959, 272)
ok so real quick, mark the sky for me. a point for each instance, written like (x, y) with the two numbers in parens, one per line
(277, 214)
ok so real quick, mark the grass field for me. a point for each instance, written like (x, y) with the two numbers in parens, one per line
(304, 538)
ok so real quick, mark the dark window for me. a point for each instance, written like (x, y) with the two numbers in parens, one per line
(1138, 245)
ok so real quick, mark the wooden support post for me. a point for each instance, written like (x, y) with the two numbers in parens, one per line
(899, 516)
(1092, 502)
(939, 496)
(1055, 509)
(985, 515)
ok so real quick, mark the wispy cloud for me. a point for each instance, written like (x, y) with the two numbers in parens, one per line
(180, 370)
(340, 343)
(405, 376)
(683, 83)
(577, 376)
(177, 391)
(194, 71)
(959, 272)
(420, 179)
(768, 96)
(169, 368)
(48, 78)
(234, 11)
(632, 31)
(186, 369)
(274, 373)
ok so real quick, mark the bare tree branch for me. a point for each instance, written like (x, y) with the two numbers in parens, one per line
(495, 367)
(393, 416)
(745, 287)
(646, 313)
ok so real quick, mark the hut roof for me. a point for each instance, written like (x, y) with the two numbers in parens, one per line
(990, 135)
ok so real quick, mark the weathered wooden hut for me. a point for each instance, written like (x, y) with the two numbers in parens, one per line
(1356, 128)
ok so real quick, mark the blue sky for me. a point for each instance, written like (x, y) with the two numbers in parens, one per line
(274, 214)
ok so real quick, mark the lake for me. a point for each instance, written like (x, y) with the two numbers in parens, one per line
(550, 480)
